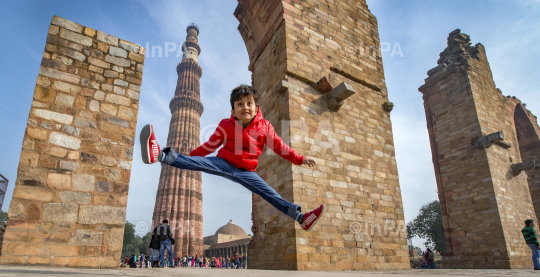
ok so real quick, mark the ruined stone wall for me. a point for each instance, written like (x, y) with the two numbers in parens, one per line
(292, 45)
(70, 196)
(483, 204)
(528, 138)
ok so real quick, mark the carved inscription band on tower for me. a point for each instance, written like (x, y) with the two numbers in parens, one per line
(179, 195)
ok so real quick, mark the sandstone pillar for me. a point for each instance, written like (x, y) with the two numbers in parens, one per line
(70, 196)
(319, 71)
(179, 195)
(474, 146)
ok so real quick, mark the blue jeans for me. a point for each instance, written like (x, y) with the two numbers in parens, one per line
(534, 250)
(430, 264)
(166, 244)
(249, 179)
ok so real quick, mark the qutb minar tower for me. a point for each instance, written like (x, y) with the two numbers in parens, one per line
(179, 195)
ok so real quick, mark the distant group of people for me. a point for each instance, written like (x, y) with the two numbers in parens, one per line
(162, 241)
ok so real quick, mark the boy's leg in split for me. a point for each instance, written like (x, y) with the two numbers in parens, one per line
(253, 182)
(212, 165)
(220, 167)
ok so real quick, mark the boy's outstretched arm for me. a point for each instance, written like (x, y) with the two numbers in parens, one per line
(215, 141)
(274, 142)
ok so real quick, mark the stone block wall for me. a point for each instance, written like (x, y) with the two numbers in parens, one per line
(528, 138)
(292, 45)
(70, 196)
(483, 204)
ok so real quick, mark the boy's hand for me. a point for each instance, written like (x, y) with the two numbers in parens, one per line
(309, 162)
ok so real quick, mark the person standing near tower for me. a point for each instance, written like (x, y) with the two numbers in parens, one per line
(532, 241)
(244, 134)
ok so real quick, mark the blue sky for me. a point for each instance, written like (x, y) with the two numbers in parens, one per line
(509, 30)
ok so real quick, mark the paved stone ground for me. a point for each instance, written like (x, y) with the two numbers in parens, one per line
(62, 271)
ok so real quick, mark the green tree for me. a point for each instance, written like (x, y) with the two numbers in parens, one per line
(429, 225)
(3, 216)
(133, 244)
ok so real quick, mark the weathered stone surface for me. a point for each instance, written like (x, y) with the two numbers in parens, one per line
(64, 141)
(119, 90)
(135, 87)
(104, 186)
(37, 133)
(54, 116)
(67, 165)
(55, 74)
(127, 113)
(16, 210)
(32, 193)
(115, 239)
(87, 237)
(77, 38)
(120, 83)
(109, 39)
(64, 23)
(58, 152)
(136, 57)
(75, 197)
(109, 109)
(124, 165)
(90, 214)
(59, 181)
(64, 100)
(119, 122)
(117, 61)
(108, 161)
(116, 99)
(94, 106)
(99, 63)
(72, 130)
(60, 212)
(115, 51)
(66, 87)
(99, 95)
(85, 123)
(83, 182)
(133, 94)
(129, 46)
(89, 31)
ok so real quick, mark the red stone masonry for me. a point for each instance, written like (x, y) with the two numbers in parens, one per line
(179, 195)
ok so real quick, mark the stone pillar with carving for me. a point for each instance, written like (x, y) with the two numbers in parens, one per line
(179, 195)
(484, 196)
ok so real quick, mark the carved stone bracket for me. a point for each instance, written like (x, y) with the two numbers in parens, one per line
(487, 141)
(517, 168)
(337, 95)
(388, 106)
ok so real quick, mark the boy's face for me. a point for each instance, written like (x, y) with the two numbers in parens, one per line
(245, 109)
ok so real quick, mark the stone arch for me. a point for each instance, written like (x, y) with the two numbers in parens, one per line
(528, 140)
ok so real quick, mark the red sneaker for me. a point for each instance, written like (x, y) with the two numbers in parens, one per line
(310, 218)
(149, 145)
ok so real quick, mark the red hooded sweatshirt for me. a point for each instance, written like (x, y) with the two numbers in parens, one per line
(244, 146)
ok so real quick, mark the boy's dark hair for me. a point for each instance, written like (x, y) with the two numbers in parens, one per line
(528, 221)
(241, 91)
(165, 221)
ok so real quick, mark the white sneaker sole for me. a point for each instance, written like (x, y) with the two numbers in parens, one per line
(145, 143)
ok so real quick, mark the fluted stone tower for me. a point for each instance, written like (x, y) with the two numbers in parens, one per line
(179, 195)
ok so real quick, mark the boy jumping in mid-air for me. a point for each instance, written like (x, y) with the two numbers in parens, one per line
(245, 133)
